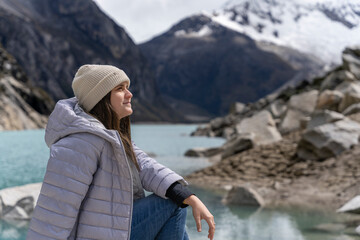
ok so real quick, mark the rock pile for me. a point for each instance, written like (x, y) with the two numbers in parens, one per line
(304, 147)
(307, 107)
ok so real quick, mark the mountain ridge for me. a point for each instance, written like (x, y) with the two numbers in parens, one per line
(52, 39)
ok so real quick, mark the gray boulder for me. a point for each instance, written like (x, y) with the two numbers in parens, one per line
(277, 108)
(237, 108)
(21, 211)
(351, 60)
(329, 99)
(204, 130)
(321, 117)
(240, 195)
(218, 122)
(328, 140)
(355, 108)
(238, 144)
(229, 132)
(202, 152)
(19, 202)
(299, 106)
(336, 78)
(351, 91)
(262, 126)
(352, 206)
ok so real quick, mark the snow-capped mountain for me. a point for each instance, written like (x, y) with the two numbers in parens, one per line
(322, 28)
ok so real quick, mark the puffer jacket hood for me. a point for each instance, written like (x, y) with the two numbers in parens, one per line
(69, 118)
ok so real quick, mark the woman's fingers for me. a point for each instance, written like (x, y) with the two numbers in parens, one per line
(211, 223)
(198, 223)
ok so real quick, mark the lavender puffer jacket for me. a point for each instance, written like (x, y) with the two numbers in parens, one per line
(87, 188)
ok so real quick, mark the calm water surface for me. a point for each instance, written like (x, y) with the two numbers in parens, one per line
(24, 154)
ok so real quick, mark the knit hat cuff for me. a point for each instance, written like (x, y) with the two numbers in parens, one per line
(102, 88)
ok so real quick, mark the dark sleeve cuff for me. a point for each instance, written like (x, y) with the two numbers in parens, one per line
(178, 193)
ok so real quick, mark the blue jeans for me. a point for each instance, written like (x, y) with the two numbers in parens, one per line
(158, 218)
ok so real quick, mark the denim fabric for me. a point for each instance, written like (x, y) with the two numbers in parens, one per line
(158, 218)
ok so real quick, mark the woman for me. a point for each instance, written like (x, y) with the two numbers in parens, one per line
(94, 181)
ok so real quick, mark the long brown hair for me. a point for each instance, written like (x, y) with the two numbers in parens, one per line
(104, 112)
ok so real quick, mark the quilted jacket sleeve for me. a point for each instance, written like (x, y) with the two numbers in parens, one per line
(72, 163)
(154, 176)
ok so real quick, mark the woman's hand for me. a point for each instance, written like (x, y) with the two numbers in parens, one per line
(201, 212)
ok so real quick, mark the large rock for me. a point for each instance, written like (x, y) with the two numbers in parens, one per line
(220, 122)
(355, 108)
(202, 152)
(240, 195)
(262, 126)
(352, 206)
(329, 99)
(351, 60)
(203, 130)
(237, 108)
(322, 117)
(239, 143)
(299, 106)
(336, 78)
(351, 91)
(229, 132)
(277, 108)
(19, 202)
(22, 210)
(328, 140)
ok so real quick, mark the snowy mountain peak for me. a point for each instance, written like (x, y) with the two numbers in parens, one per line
(319, 27)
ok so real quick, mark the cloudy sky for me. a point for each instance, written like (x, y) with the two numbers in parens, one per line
(144, 19)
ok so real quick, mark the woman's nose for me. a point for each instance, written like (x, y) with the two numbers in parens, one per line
(128, 93)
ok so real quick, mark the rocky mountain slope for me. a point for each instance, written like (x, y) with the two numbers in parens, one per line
(308, 36)
(211, 66)
(51, 39)
(296, 147)
(22, 106)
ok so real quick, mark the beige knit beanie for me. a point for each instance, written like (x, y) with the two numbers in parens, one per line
(92, 82)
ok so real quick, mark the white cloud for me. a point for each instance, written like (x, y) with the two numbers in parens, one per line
(143, 19)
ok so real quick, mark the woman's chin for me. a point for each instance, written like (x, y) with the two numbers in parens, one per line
(125, 114)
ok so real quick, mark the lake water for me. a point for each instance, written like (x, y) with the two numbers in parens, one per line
(24, 154)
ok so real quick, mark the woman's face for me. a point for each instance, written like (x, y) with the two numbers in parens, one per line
(120, 100)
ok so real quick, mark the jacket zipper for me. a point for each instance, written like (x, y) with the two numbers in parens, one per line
(131, 183)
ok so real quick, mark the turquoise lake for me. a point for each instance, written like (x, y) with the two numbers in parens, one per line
(23, 159)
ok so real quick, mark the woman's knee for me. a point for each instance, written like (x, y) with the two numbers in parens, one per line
(181, 213)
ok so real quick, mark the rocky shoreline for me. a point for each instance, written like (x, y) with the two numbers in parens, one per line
(283, 180)
(298, 147)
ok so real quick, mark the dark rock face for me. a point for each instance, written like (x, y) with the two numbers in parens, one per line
(52, 39)
(22, 106)
(211, 66)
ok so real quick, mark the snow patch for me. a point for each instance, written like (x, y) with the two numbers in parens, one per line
(203, 32)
